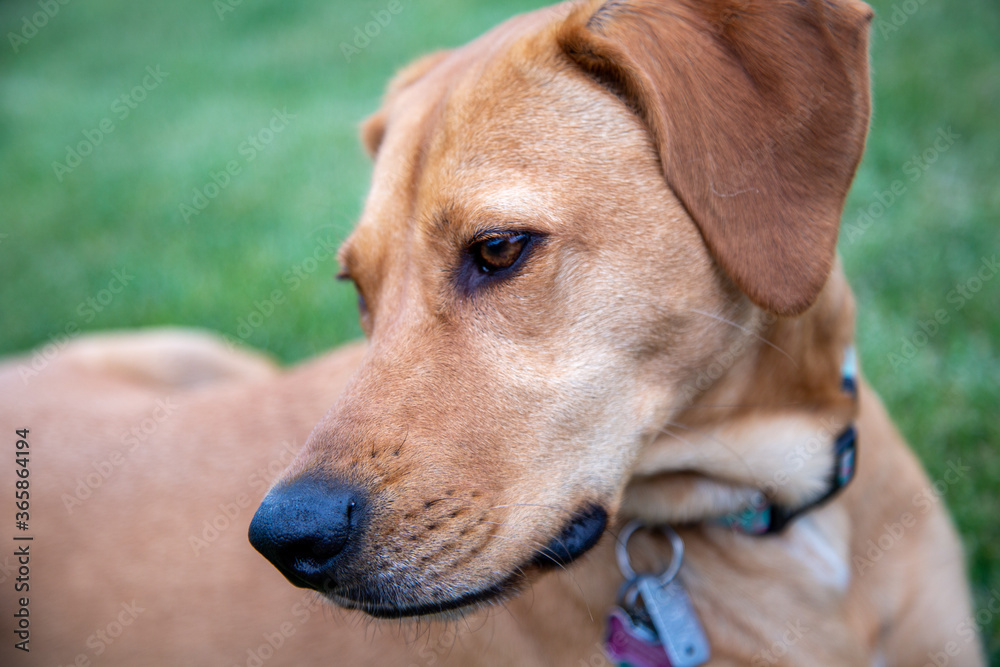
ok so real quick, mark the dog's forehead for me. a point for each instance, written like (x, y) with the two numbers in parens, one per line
(489, 132)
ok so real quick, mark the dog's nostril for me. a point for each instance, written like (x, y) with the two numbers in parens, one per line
(304, 527)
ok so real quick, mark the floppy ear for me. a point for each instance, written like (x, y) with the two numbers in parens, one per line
(373, 127)
(759, 110)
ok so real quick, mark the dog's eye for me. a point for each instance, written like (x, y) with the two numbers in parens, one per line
(499, 252)
(362, 304)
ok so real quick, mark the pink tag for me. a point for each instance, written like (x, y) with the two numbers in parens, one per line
(629, 645)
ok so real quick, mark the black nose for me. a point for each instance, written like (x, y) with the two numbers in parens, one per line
(304, 527)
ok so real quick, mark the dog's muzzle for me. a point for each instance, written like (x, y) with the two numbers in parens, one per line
(313, 530)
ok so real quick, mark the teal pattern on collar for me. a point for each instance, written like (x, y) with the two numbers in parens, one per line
(762, 517)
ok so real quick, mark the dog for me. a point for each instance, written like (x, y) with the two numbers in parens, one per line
(598, 280)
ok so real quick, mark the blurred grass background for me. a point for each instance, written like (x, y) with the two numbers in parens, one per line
(936, 73)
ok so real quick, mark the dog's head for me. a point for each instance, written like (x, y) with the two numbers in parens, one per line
(561, 214)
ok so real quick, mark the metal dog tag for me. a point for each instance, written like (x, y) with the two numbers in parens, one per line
(629, 642)
(675, 621)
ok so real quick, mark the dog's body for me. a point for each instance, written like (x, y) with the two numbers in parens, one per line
(142, 537)
(627, 362)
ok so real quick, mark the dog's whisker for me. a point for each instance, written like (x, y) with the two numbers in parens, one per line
(465, 619)
(714, 438)
(429, 503)
(736, 455)
(546, 551)
(399, 447)
(742, 405)
(551, 507)
(538, 546)
(745, 330)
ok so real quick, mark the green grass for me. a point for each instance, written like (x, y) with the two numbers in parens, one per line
(61, 240)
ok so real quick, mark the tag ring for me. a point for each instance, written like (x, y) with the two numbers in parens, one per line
(625, 564)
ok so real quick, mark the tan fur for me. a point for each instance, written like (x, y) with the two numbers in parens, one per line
(636, 362)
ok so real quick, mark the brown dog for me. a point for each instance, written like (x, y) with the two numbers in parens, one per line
(597, 274)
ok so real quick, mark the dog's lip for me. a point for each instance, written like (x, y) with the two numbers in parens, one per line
(468, 601)
(576, 538)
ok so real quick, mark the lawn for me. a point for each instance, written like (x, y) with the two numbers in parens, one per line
(189, 162)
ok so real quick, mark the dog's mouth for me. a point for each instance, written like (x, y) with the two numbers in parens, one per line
(380, 606)
(576, 537)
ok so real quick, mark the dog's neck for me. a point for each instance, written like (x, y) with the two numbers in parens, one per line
(766, 424)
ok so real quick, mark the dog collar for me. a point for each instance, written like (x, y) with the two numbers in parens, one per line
(654, 623)
(762, 517)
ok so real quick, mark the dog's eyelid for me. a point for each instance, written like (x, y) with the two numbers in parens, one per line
(500, 233)
(345, 260)
(489, 235)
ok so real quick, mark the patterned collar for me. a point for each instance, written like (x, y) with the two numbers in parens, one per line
(762, 517)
